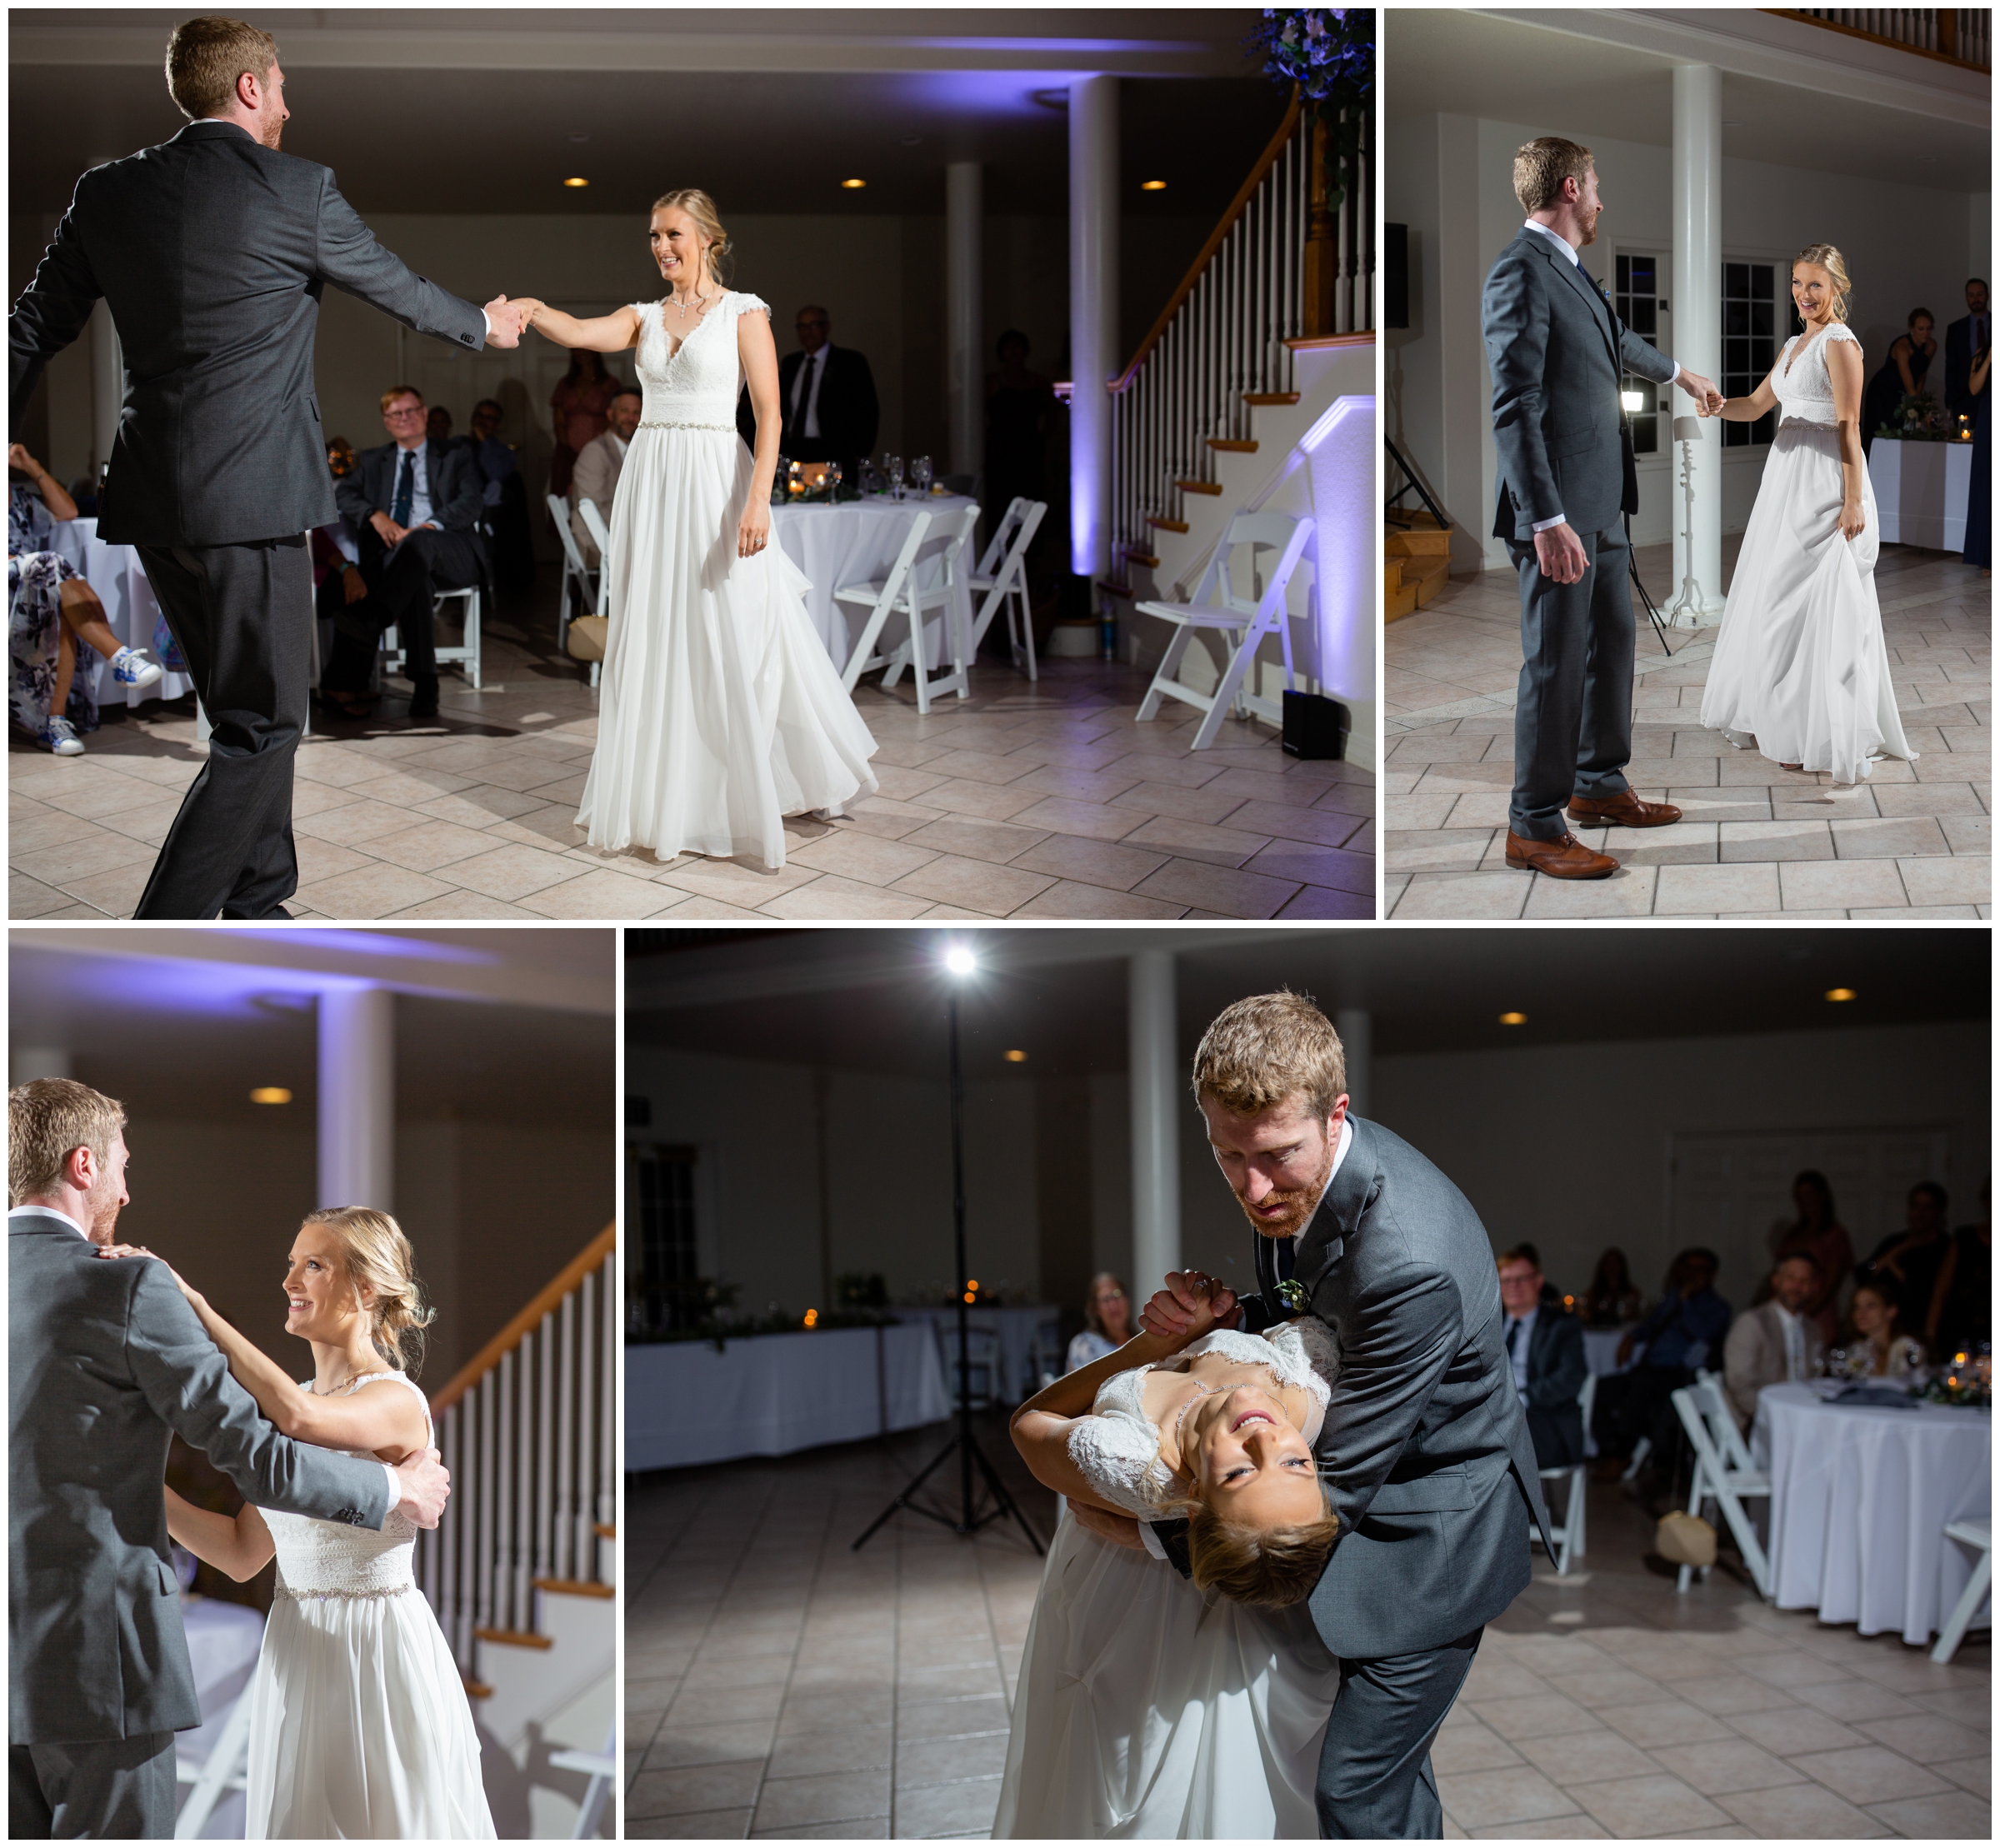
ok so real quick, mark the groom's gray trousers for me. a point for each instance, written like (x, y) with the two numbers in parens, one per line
(1375, 1781)
(113, 1790)
(1573, 712)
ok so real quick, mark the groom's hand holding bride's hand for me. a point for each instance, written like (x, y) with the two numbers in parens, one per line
(507, 320)
(1707, 401)
(1191, 1305)
(427, 1484)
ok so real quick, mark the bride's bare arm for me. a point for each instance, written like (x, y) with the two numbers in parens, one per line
(608, 334)
(1748, 409)
(758, 352)
(1844, 370)
(239, 1545)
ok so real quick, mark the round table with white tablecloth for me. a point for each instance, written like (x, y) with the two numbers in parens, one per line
(1015, 1325)
(115, 574)
(1860, 1496)
(845, 542)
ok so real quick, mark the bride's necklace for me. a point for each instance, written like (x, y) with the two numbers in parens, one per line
(347, 1382)
(680, 303)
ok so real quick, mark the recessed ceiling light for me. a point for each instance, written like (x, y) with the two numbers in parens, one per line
(852, 186)
(1840, 994)
(1152, 186)
(270, 1094)
(576, 182)
(1015, 1056)
(1513, 1020)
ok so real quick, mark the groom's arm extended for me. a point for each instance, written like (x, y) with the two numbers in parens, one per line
(354, 263)
(187, 1382)
(1513, 322)
(49, 316)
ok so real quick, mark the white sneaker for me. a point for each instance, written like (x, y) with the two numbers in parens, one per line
(60, 736)
(131, 668)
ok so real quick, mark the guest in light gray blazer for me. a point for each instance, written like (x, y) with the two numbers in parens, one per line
(1556, 351)
(105, 1362)
(211, 250)
(1424, 1454)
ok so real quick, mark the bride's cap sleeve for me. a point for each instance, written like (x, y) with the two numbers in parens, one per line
(749, 304)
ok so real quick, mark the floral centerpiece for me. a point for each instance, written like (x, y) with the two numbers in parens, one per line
(1329, 52)
(1965, 1379)
(1919, 419)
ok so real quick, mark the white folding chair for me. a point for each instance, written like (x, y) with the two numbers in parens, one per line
(600, 536)
(1215, 605)
(600, 1768)
(225, 1769)
(1045, 1354)
(1001, 580)
(578, 579)
(931, 585)
(1979, 1535)
(465, 652)
(982, 1362)
(1722, 1473)
(1569, 1536)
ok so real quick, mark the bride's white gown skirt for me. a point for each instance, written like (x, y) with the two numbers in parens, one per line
(1800, 664)
(1145, 1711)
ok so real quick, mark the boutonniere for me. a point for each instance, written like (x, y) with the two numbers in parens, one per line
(1293, 1294)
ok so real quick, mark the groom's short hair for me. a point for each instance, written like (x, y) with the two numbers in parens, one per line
(1265, 1048)
(205, 56)
(1542, 165)
(47, 1118)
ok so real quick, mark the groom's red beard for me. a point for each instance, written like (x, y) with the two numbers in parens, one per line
(1299, 1203)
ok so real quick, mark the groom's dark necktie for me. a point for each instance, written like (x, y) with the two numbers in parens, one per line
(406, 489)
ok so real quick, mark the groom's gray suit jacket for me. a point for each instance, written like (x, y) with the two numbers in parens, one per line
(105, 1362)
(1424, 1453)
(1555, 350)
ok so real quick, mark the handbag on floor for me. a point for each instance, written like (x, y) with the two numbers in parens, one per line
(586, 635)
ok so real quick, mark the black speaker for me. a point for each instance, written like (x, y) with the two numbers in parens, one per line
(1315, 727)
(1396, 276)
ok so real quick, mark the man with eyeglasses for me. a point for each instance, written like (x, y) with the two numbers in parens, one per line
(413, 505)
(825, 396)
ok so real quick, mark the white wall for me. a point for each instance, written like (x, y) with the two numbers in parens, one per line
(1448, 178)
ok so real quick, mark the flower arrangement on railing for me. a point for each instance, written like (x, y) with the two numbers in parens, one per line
(1918, 418)
(1329, 52)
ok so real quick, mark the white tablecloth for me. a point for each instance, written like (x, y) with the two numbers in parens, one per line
(1016, 1327)
(1860, 1497)
(1601, 1350)
(770, 1394)
(223, 1643)
(1921, 489)
(856, 542)
(115, 574)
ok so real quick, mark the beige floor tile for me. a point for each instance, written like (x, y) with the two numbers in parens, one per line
(1975, 1775)
(869, 859)
(1308, 864)
(1790, 1731)
(1473, 1747)
(1630, 891)
(947, 1809)
(1721, 1764)
(1947, 881)
(1578, 1827)
(1928, 798)
(1648, 1723)
(1870, 1774)
(1842, 882)
(1888, 837)
(1717, 888)
(837, 1796)
(1596, 1688)
(1000, 842)
(950, 1760)
(1655, 1806)
(831, 897)
(375, 890)
(1524, 1716)
(1953, 1816)
(975, 884)
(988, 802)
(1585, 1755)
(1777, 840)
(1463, 895)
(430, 844)
(943, 1719)
(1801, 1812)
(1928, 1739)
(717, 1745)
(1423, 808)
(1232, 891)
(692, 1789)
(1478, 1799)
(711, 1826)
(1072, 857)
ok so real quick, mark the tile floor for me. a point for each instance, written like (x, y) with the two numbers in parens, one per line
(1041, 802)
(1913, 841)
(779, 1683)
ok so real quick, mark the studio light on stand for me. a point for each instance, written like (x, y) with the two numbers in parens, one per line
(960, 965)
(1629, 403)
(1686, 432)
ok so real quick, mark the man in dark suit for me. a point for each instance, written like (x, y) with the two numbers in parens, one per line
(413, 505)
(211, 250)
(1424, 1454)
(1544, 1347)
(826, 398)
(1964, 340)
(1556, 351)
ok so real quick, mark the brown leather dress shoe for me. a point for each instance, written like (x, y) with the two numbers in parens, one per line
(1568, 858)
(1624, 810)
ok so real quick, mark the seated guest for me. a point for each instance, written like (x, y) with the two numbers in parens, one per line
(1876, 1346)
(1964, 341)
(1906, 1263)
(826, 398)
(505, 495)
(413, 506)
(437, 425)
(599, 463)
(1818, 1232)
(1545, 1345)
(1776, 1341)
(1532, 1253)
(1613, 1299)
(1962, 1305)
(50, 609)
(1684, 1332)
(1106, 1323)
(1903, 373)
(581, 408)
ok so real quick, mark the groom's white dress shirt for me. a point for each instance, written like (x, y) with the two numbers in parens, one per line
(55, 1212)
(1576, 261)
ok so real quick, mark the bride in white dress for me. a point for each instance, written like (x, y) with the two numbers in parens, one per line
(359, 1725)
(1148, 1706)
(721, 712)
(1801, 671)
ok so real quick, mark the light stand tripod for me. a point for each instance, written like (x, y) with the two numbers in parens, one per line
(1686, 432)
(970, 1518)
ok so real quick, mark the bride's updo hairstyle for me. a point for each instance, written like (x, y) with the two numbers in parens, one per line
(1835, 265)
(376, 1254)
(700, 207)
(1268, 1565)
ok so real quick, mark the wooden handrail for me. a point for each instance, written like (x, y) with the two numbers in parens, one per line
(509, 1338)
(1249, 186)
(1874, 38)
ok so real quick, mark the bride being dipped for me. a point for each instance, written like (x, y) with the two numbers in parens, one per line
(1801, 672)
(722, 713)
(359, 1725)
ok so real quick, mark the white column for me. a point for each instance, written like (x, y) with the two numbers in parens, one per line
(107, 386)
(1356, 1028)
(357, 1097)
(1093, 316)
(1156, 1102)
(1697, 314)
(25, 1063)
(964, 227)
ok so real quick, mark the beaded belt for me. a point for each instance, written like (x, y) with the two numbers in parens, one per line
(304, 1597)
(669, 423)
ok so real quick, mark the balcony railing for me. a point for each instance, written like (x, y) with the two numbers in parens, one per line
(1963, 35)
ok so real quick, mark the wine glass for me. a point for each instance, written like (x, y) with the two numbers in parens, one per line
(920, 474)
(832, 482)
(891, 466)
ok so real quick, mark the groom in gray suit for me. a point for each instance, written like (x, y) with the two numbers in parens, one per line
(1424, 1454)
(105, 1362)
(1556, 351)
(211, 250)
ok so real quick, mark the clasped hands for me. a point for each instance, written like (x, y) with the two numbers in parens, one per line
(507, 320)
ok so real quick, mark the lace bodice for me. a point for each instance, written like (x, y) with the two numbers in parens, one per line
(1117, 1447)
(694, 385)
(1804, 389)
(328, 1559)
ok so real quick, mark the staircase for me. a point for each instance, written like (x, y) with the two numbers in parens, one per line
(522, 1572)
(1417, 564)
